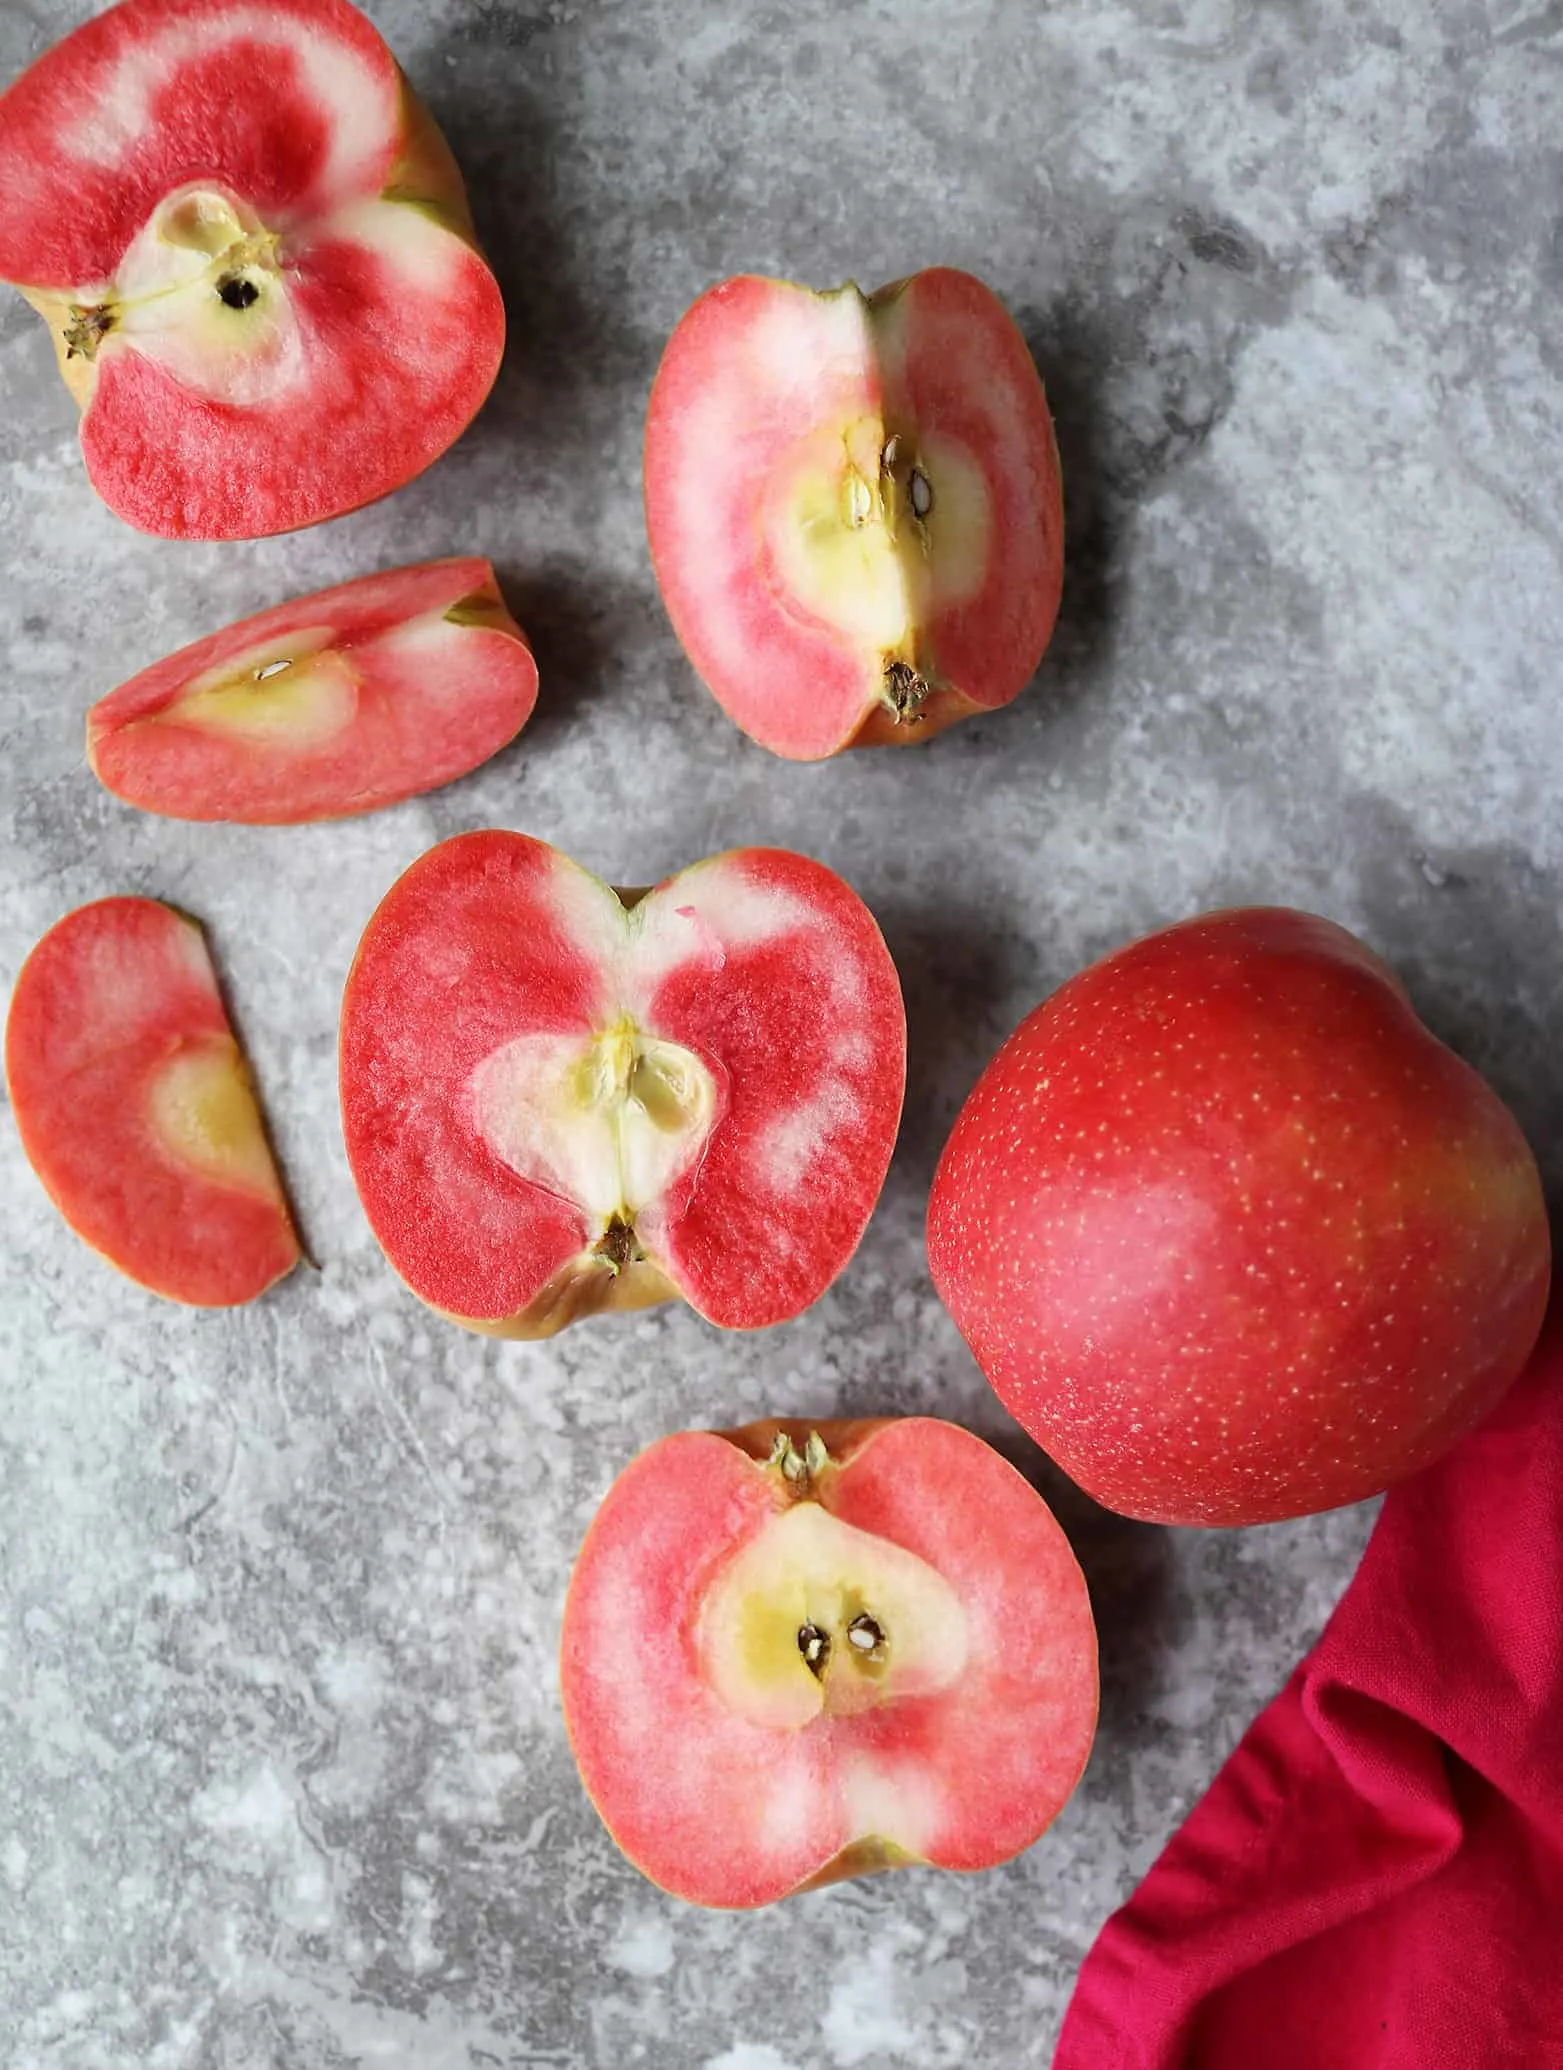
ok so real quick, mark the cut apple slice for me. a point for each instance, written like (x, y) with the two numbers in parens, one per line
(854, 507)
(791, 1655)
(135, 1107)
(333, 704)
(560, 1098)
(253, 252)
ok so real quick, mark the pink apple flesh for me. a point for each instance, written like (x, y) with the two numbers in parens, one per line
(557, 1099)
(253, 252)
(135, 1107)
(1232, 1234)
(854, 507)
(791, 1655)
(333, 704)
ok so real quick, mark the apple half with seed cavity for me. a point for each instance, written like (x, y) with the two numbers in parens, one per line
(791, 1655)
(135, 1106)
(854, 507)
(559, 1098)
(333, 704)
(253, 252)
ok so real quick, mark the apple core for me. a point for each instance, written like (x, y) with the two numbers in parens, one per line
(610, 1122)
(818, 1618)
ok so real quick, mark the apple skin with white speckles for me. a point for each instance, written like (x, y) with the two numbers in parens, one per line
(1232, 1234)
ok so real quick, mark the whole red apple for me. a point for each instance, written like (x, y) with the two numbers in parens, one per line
(792, 1655)
(1231, 1233)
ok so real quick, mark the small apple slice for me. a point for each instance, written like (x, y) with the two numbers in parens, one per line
(333, 704)
(854, 507)
(559, 1098)
(791, 1655)
(253, 252)
(135, 1107)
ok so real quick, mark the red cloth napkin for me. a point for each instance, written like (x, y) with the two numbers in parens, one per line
(1375, 1879)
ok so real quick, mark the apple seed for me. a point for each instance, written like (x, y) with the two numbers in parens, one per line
(865, 1633)
(814, 1645)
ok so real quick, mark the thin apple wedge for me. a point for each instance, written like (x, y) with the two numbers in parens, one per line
(333, 704)
(135, 1106)
(558, 1098)
(794, 1654)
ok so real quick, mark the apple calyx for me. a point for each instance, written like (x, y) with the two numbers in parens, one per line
(905, 693)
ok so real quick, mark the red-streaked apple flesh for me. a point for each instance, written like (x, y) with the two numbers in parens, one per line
(253, 252)
(1232, 1234)
(559, 1098)
(135, 1107)
(854, 507)
(332, 704)
(795, 1653)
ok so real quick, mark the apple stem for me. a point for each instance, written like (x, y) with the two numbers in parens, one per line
(799, 1467)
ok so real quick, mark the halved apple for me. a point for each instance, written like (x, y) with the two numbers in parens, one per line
(792, 1654)
(854, 507)
(135, 1106)
(253, 252)
(560, 1098)
(332, 704)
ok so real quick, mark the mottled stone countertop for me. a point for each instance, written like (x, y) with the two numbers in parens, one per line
(283, 1784)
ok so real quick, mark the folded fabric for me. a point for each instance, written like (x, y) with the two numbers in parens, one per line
(1375, 1879)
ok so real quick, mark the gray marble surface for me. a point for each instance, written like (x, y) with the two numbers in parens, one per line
(283, 1784)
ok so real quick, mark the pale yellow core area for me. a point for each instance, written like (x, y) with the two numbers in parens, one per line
(297, 692)
(875, 534)
(199, 246)
(204, 1112)
(807, 1572)
(609, 1122)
